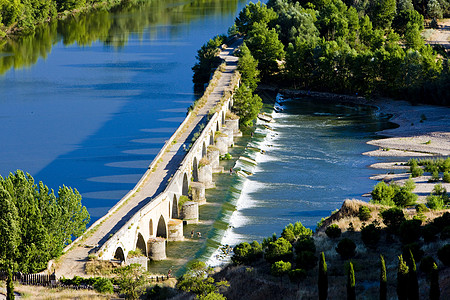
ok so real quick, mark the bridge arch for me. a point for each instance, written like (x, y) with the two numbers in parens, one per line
(204, 149)
(174, 207)
(195, 169)
(140, 244)
(217, 126)
(211, 138)
(185, 187)
(223, 117)
(161, 231)
(150, 227)
(119, 255)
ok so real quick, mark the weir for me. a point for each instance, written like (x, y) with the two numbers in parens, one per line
(151, 214)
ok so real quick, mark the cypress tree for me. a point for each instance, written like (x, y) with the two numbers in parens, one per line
(323, 278)
(413, 286)
(402, 279)
(435, 292)
(383, 279)
(351, 293)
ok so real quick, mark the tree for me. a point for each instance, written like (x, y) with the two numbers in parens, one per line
(346, 248)
(392, 218)
(131, 280)
(413, 284)
(280, 249)
(245, 253)
(383, 279)
(248, 67)
(297, 275)
(402, 279)
(254, 13)
(296, 232)
(207, 59)
(412, 36)
(364, 213)
(198, 281)
(444, 254)
(280, 268)
(382, 13)
(246, 105)
(434, 9)
(383, 194)
(435, 292)
(9, 238)
(266, 48)
(351, 292)
(370, 235)
(399, 24)
(323, 278)
(333, 231)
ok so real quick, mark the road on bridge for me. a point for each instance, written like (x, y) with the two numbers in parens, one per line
(73, 262)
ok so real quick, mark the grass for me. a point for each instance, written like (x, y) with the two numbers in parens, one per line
(44, 293)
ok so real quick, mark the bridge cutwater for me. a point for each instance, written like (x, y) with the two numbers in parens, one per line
(149, 215)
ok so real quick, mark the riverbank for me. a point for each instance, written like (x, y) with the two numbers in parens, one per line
(423, 131)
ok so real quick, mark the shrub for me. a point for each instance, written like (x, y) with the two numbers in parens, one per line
(446, 177)
(383, 194)
(403, 195)
(409, 231)
(333, 231)
(442, 221)
(364, 213)
(346, 248)
(414, 249)
(370, 235)
(445, 234)
(421, 208)
(281, 249)
(245, 253)
(435, 202)
(444, 254)
(392, 218)
(306, 244)
(434, 176)
(296, 231)
(104, 285)
(280, 268)
(414, 169)
(429, 232)
(426, 264)
(306, 260)
(297, 275)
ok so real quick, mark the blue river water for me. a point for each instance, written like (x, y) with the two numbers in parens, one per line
(90, 101)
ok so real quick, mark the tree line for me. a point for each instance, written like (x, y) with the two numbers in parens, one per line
(35, 223)
(364, 48)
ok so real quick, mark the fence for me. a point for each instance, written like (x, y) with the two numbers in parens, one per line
(31, 279)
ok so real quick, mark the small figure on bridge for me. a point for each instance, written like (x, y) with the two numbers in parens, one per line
(231, 171)
(192, 233)
(199, 234)
(184, 147)
(169, 273)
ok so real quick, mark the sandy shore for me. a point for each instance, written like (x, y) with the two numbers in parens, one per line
(424, 130)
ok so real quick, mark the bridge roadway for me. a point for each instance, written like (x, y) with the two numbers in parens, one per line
(73, 261)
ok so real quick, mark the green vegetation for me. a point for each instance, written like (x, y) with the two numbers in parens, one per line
(323, 278)
(364, 213)
(333, 231)
(351, 283)
(346, 248)
(346, 47)
(36, 224)
(394, 195)
(402, 279)
(438, 198)
(197, 281)
(383, 279)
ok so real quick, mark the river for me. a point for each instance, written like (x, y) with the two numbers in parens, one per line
(88, 102)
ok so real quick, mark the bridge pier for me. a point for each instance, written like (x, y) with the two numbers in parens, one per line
(198, 192)
(205, 175)
(190, 212)
(213, 156)
(233, 124)
(230, 136)
(157, 248)
(222, 143)
(175, 230)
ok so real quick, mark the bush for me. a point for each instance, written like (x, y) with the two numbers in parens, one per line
(333, 231)
(426, 264)
(296, 231)
(364, 213)
(446, 177)
(245, 253)
(434, 176)
(444, 254)
(435, 202)
(306, 260)
(280, 268)
(445, 234)
(281, 249)
(442, 221)
(383, 194)
(392, 218)
(429, 232)
(415, 170)
(306, 244)
(104, 285)
(421, 208)
(409, 231)
(370, 235)
(346, 248)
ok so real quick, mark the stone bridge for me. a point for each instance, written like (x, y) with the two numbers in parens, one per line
(170, 192)
(163, 217)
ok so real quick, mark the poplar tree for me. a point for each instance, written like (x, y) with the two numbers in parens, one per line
(413, 286)
(402, 279)
(351, 293)
(435, 292)
(323, 278)
(383, 279)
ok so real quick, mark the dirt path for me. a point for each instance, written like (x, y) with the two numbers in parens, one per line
(73, 262)
(441, 35)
